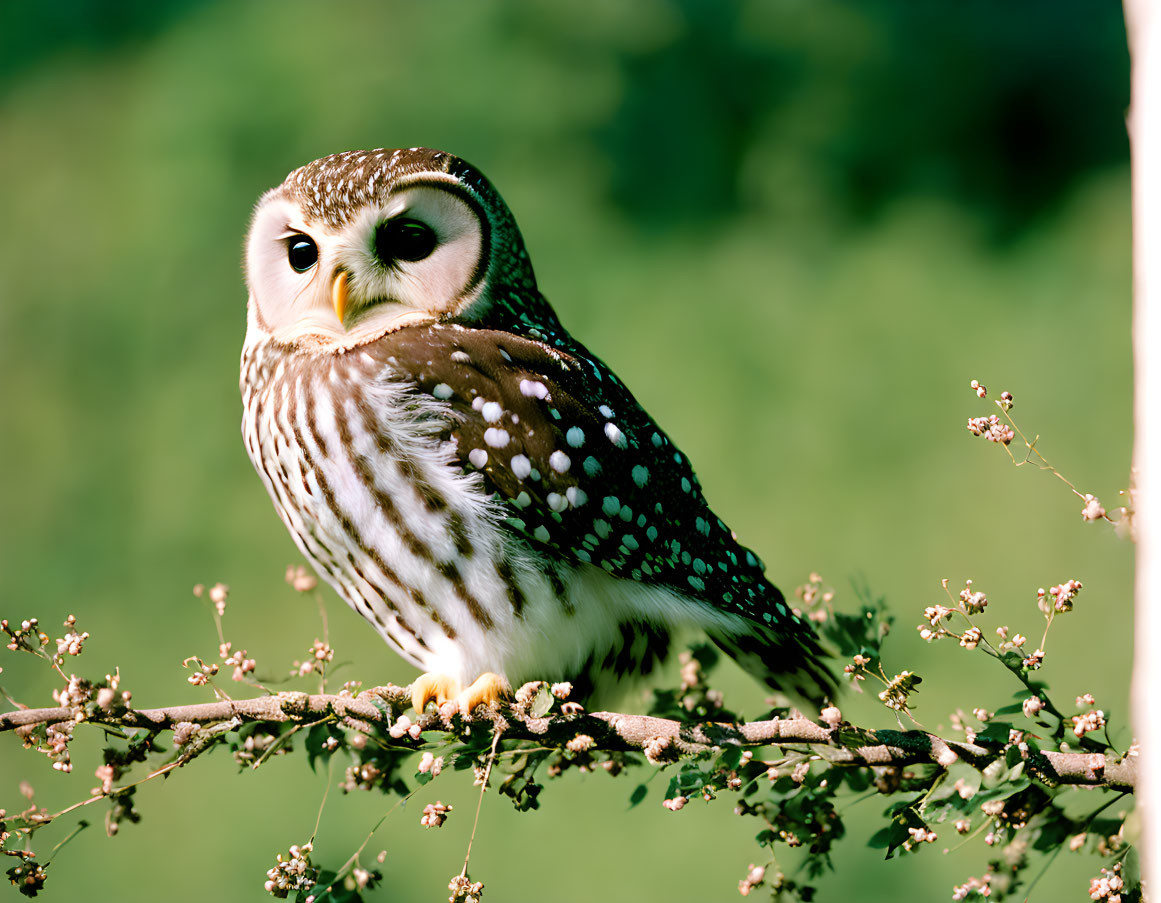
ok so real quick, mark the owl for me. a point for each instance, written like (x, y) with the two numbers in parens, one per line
(469, 477)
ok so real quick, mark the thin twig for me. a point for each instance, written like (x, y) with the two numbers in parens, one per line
(480, 802)
(612, 731)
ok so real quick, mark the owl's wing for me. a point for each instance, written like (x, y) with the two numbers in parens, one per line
(579, 465)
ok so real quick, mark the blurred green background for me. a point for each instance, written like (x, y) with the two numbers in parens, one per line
(797, 230)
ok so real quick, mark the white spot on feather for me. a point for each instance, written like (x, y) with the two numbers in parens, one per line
(559, 462)
(521, 466)
(533, 388)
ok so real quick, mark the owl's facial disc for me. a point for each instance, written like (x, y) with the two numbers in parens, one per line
(418, 255)
(423, 250)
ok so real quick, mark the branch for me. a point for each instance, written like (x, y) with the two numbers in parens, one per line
(660, 739)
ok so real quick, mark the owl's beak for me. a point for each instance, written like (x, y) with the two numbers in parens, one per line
(339, 295)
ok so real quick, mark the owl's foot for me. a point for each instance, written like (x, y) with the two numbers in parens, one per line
(440, 687)
(487, 689)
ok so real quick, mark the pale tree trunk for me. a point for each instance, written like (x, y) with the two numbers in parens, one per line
(1144, 29)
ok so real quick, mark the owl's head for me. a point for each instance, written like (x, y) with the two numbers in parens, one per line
(359, 244)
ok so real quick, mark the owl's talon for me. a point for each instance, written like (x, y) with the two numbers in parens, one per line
(431, 686)
(486, 689)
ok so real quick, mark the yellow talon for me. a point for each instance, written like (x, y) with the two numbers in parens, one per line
(440, 687)
(487, 689)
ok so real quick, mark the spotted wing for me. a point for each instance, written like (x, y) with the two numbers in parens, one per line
(579, 465)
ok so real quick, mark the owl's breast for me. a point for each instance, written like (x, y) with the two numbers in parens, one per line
(358, 469)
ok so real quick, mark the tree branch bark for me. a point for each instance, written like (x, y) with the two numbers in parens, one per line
(661, 739)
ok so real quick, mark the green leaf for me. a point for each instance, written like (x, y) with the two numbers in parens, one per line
(1132, 827)
(961, 784)
(462, 762)
(1053, 830)
(690, 781)
(1106, 826)
(542, 704)
(1132, 866)
(996, 732)
(896, 834)
(881, 839)
(853, 738)
(1013, 660)
(705, 654)
(854, 633)
(856, 779)
(316, 739)
(639, 794)
(338, 893)
(381, 705)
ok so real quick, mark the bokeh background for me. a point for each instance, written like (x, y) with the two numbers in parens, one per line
(797, 230)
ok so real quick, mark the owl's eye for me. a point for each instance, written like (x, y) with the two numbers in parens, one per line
(301, 252)
(403, 239)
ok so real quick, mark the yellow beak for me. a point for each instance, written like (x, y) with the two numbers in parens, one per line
(339, 295)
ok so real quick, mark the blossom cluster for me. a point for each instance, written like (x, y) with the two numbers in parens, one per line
(1061, 596)
(981, 886)
(1107, 885)
(300, 578)
(204, 672)
(237, 660)
(991, 428)
(898, 690)
(319, 655)
(755, 875)
(816, 601)
(293, 873)
(21, 637)
(430, 764)
(218, 594)
(435, 814)
(72, 642)
(857, 669)
(465, 890)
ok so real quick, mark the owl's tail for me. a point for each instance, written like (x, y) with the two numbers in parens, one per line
(787, 658)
